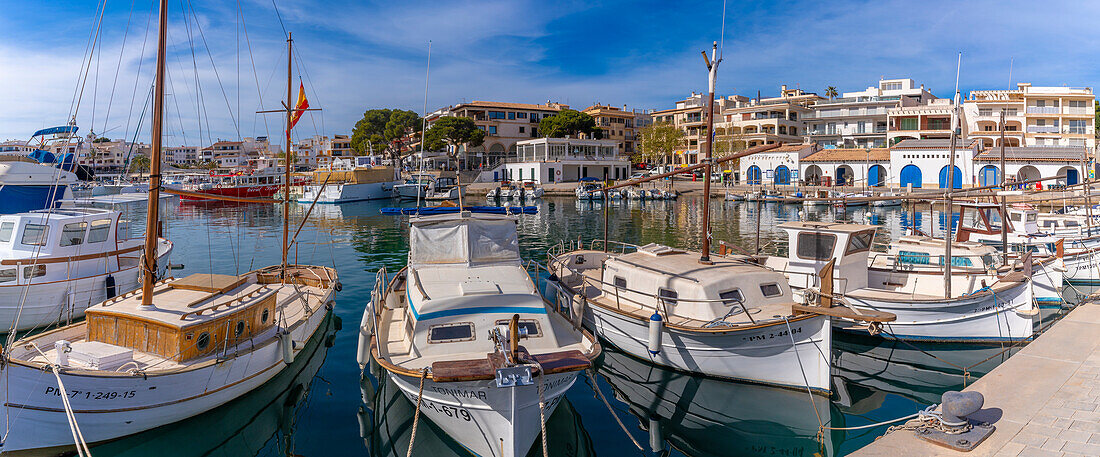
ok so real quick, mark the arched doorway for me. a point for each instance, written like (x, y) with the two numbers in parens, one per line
(754, 174)
(876, 176)
(1027, 173)
(1070, 174)
(956, 179)
(813, 175)
(844, 176)
(782, 176)
(989, 176)
(911, 176)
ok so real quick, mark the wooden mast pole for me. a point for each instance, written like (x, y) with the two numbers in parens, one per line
(152, 218)
(712, 67)
(949, 205)
(286, 156)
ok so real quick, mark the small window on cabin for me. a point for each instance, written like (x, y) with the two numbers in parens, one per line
(7, 275)
(860, 242)
(620, 282)
(731, 297)
(6, 230)
(34, 271)
(961, 261)
(770, 290)
(35, 234)
(450, 333)
(1016, 217)
(668, 296)
(73, 234)
(1032, 217)
(203, 342)
(237, 332)
(99, 231)
(530, 326)
(913, 258)
(816, 246)
(1049, 224)
(1068, 224)
(264, 315)
(987, 260)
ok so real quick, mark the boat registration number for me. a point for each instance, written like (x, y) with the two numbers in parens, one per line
(768, 336)
(451, 411)
(92, 395)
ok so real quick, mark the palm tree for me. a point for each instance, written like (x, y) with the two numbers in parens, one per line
(831, 92)
(140, 164)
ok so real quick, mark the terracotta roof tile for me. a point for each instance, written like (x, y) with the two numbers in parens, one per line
(849, 155)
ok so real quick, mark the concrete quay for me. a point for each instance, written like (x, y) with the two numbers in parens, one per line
(1043, 401)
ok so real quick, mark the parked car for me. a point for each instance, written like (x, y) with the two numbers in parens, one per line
(638, 175)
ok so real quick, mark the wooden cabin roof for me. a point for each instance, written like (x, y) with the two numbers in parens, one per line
(193, 300)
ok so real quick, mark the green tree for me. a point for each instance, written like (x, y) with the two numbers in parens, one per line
(568, 122)
(140, 164)
(400, 131)
(831, 92)
(101, 140)
(659, 140)
(369, 133)
(455, 132)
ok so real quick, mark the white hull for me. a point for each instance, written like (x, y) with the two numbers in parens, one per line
(1083, 267)
(344, 193)
(1047, 280)
(480, 416)
(409, 191)
(762, 355)
(62, 301)
(448, 194)
(977, 317)
(114, 405)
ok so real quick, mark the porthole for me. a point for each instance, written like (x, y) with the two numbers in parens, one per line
(239, 330)
(203, 342)
(263, 317)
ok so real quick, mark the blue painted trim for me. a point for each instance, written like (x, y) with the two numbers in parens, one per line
(477, 310)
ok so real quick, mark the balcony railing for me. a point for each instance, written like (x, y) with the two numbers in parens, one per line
(1042, 129)
(1076, 110)
(1042, 110)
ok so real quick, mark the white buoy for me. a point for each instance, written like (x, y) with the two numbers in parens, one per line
(656, 441)
(366, 330)
(287, 345)
(655, 324)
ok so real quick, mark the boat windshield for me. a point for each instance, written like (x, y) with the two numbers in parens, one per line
(463, 241)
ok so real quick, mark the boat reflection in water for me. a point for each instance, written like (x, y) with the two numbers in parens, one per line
(386, 424)
(701, 416)
(263, 419)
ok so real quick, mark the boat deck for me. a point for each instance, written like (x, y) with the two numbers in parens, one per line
(1042, 401)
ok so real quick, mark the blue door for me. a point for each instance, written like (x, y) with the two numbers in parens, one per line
(754, 175)
(910, 176)
(782, 176)
(1071, 176)
(876, 175)
(841, 176)
(956, 181)
(989, 176)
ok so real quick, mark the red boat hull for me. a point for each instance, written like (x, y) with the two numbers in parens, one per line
(261, 191)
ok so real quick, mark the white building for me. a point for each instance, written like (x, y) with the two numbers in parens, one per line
(1029, 163)
(847, 167)
(859, 119)
(779, 166)
(550, 160)
(923, 163)
(1034, 116)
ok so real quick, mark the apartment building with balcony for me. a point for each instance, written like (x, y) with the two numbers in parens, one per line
(505, 124)
(181, 155)
(619, 124)
(928, 119)
(320, 150)
(860, 119)
(688, 116)
(1034, 116)
(754, 122)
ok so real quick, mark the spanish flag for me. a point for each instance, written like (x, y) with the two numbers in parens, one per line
(300, 107)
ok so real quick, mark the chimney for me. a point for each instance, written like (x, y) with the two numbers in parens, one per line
(783, 88)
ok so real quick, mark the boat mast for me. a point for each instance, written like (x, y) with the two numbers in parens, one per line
(1004, 205)
(949, 205)
(712, 66)
(286, 157)
(152, 217)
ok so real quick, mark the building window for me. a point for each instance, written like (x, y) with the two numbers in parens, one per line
(521, 129)
(492, 130)
(521, 115)
(909, 123)
(1076, 126)
(511, 116)
(985, 111)
(496, 114)
(938, 124)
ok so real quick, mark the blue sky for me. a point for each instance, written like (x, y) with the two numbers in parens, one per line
(643, 54)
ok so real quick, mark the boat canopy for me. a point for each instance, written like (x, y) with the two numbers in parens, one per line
(462, 240)
(43, 156)
(56, 130)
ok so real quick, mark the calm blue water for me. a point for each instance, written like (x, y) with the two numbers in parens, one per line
(322, 406)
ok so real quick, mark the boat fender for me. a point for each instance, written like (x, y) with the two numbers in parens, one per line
(109, 285)
(339, 286)
(337, 323)
(366, 423)
(287, 345)
(578, 310)
(655, 324)
(656, 442)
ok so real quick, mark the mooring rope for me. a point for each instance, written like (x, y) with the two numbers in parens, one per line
(805, 379)
(416, 414)
(78, 437)
(596, 388)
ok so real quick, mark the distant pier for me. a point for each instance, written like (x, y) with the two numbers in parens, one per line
(1043, 401)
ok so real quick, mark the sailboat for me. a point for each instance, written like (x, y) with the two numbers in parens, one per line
(168, 351)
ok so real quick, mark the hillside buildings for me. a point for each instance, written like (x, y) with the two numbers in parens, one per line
(688, 116)
(860, 119)
(767, 120)
(505, 124)
(1034, 116)
(619, 124)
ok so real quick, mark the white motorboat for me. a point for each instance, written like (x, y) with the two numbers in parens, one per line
(734, 197)
(503, 191)
(56, 263)
(731, 318)
(446, 187)
(466, 335)
(637, 193)
(347, 181)
(849, 200)
(27, 186)
(589, 191)
(908, 281)
(416, 187)
(887, 202)
(529, 190)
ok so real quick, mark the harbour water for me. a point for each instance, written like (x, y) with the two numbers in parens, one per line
(324, 407)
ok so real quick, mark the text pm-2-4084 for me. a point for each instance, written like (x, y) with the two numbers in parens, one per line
(91, 395)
